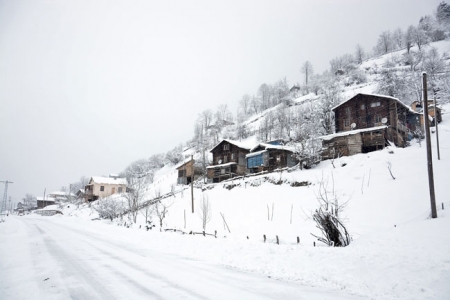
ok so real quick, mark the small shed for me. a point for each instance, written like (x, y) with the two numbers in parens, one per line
(352, 142)
(44, 201)
(187, 172)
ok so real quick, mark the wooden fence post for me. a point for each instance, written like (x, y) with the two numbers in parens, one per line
(264, 238)
(278, 241)
(298, 240)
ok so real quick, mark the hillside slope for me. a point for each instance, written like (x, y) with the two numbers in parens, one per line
(397, 251)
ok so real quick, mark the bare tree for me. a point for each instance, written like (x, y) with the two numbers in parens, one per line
(307, 70)
(264, 92)
(433, 63)
(205, 211)
(384, 44)
(359, 54)
(245, 104)
(205, 118)
(420, 37)
(398, 38)
(223, 114)
(161, 209)
(327, 216)
(409, 38)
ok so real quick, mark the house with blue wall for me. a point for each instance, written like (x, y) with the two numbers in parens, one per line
(269, 157)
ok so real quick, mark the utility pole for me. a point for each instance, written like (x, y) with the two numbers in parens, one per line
(192, 188)
(5, 195)
(436, 125)
(429, 155)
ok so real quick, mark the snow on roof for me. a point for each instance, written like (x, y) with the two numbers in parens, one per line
(45, 199)
(350, 132)
(222, 165)
(255, 153)
(58, 193)
(270, 146)
(242, 145)
(107, 180)
(182, 163)
(381, 96)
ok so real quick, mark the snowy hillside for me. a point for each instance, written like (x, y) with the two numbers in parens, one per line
(397, 252)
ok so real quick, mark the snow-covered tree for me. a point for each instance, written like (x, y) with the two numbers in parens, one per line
(29, 202)
(139, 175)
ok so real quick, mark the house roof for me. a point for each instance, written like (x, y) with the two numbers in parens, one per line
(107, 180)
(351, 132)
(222, 165)
(236, 143)
(270, 146)
(255, 153)
(377, 95)
(180, 164)
(45, 199)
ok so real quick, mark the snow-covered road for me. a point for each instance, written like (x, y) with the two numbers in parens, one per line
(46, 258)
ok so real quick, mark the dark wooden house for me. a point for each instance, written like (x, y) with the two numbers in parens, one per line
(367, 122)
(269, 157)
(433, 111)
(228, 161)
(187, 171)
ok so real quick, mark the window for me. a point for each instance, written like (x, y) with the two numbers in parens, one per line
(102, 188)
(278, 158)
(377, 119)
(120, 190)
(225, 159)
(226, 147)
(346, 123)
(348, 111)
(232, 156)
(375, 104)
(363, 106)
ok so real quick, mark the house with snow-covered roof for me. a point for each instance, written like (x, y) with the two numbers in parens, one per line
(366, 122)
(228, 160)
(100, 187)
(269, 157)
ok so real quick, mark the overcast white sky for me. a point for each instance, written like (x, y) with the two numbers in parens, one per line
(87, 87)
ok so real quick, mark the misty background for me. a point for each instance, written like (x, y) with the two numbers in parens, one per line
(87, 87)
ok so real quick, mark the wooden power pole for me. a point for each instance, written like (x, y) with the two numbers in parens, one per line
(428, 141)
(192, 187)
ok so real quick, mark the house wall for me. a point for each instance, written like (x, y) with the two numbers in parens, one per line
(225, 153)
(367, 111)
(362, 111)
(109, 189)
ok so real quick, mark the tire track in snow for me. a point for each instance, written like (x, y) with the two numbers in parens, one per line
(80, 276)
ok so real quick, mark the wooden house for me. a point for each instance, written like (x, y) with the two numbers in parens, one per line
(367, 122)
(45, 201)
(269, 157)
(187, 172)
(228, 161)
(433, 111)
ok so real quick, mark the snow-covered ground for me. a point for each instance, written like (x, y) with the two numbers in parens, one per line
(397, 252)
